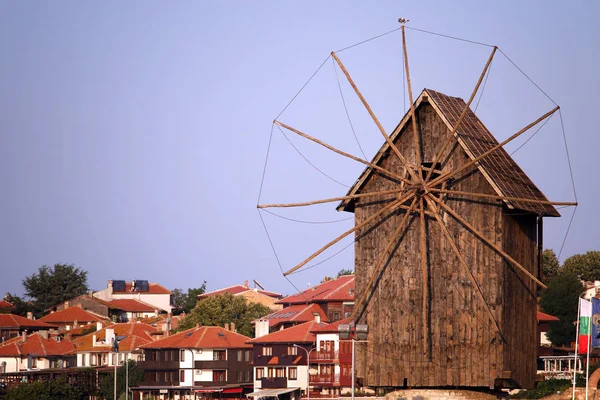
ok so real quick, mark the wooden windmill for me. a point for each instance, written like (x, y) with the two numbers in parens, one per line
(447, 260)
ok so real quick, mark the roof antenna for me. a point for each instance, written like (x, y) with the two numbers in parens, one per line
(402, 21)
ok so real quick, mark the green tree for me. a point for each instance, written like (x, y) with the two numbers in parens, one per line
(561, 300)
(585, 266)
(54, 389)
(550, 265)
(185, 302)
(224, 309)
(106, 387)
(343, 272)
(53, 285)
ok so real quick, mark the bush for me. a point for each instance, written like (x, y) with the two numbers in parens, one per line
(544, 388)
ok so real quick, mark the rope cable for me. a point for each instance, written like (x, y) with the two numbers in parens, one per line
(483, 87)
(450, 37)
(262, 180)
(368, 40)
(304, 221)
(531, 137)
(562, 124)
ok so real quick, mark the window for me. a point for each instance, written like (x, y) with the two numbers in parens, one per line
(219, 376)
(271, 372)
(240, 355)
(292, 351)
(247, 355)
(153, 355)
(334, 316)
(167, 376)
(240, 376)
(182, 375)
(267, 351)
(83, 359)
(247, 376)
(182, 356)
(293, 373)
(153, 376)
(280, 372)
(34, 362)
(114, 359)
(260, 373)
(219, 355)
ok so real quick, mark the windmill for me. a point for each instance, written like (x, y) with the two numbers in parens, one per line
(448, 252)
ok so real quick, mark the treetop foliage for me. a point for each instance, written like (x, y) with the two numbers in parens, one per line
(585, 266)
(184, 302)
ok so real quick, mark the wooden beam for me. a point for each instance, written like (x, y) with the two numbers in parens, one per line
(461, 259)
(388, 207)
(361, 305)
(450, 174)
(416, 137)
(330, 200)
(343, 153)
(440, 153)
(425, 276)
(506, 198)
(412, 173)
(486, 240)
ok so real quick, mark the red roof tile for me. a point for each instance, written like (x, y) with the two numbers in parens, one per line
(137, 334)
(6, 304)
(35, 345)
(131, 305)
(543, 317)
(295, 313)
(333, 327)
(18, 322)
(236, 290)
(339, 289)
(204, 337)
(71, 314)
(296, 334)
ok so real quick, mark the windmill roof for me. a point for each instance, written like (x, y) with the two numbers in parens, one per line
(204, 337)
(16, 321)
(500, 170)
(296, 334)
(338, 289)
(71, 314)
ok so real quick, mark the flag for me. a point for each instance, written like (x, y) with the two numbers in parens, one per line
(595, 322)
(585, 316)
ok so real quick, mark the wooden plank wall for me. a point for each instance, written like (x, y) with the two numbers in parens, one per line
(464, 350)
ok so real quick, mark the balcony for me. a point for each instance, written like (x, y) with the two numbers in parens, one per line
(211, 364)
(273, 383)
(324, 355)
(345, 357)
(325, 380)
(158, 365)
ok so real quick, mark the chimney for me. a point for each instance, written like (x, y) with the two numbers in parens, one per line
(98, 325)
(261, 328)
(67, 304)
(75, 324)
(198, 325)
(246, 283)
(317, 317)
(43, 334)
(94, 340)
(24, 335)
(226, 326)
(232, 327)
(29, 315)
(156, 312)
(109, 284)
(109, 335)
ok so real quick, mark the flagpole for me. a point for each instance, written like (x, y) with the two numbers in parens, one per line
(576, 346)
(587, 364)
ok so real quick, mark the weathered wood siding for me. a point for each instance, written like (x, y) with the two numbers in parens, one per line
(464, 348)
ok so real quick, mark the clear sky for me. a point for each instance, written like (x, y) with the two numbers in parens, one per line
(133, 134)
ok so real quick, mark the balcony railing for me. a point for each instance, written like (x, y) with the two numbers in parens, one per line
(273, 383)
(324, 355)
(325, 379)
(211, 364)
(158, 365)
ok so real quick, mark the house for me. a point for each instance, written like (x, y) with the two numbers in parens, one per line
(150, 293)
(253, 295)
(280, 361)
(35, 352)
(96, 349)
(14, 325)
(331, 361)
(335, 297)
(203, 359)
(72, 317)
(118, 310)
(287, 317)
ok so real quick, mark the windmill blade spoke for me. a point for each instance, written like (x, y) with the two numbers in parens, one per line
(343, 153)
(462, 261)
(507, 198)
(412, 106)
(439, 155)
(389, 207)
(493, 149)
(330, 200)
(377, 271)
(489, 242)
(414, 176)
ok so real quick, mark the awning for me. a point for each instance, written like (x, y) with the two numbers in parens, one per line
(233, 390)
(270, 392)
(207, 390)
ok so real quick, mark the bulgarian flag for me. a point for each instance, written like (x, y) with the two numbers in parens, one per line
(585, 319)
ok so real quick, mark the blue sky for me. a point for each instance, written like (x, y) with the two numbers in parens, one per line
(133, 135)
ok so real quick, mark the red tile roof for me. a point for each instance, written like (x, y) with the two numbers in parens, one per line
(237, 290)
(295, 313)
(339, 289)
(72, 314)
(333, 327)
(18, 322)
(153, 288)
(204, 337)
(6, 304)
(137, 334)
(296, 334)
(35, 345)
(131, 305)
(543, 317)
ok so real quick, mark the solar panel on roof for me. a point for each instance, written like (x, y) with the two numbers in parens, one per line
(118, 286)
(141, 286)
(189, 334)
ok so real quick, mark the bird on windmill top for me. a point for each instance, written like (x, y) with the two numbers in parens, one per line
(402, 20)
